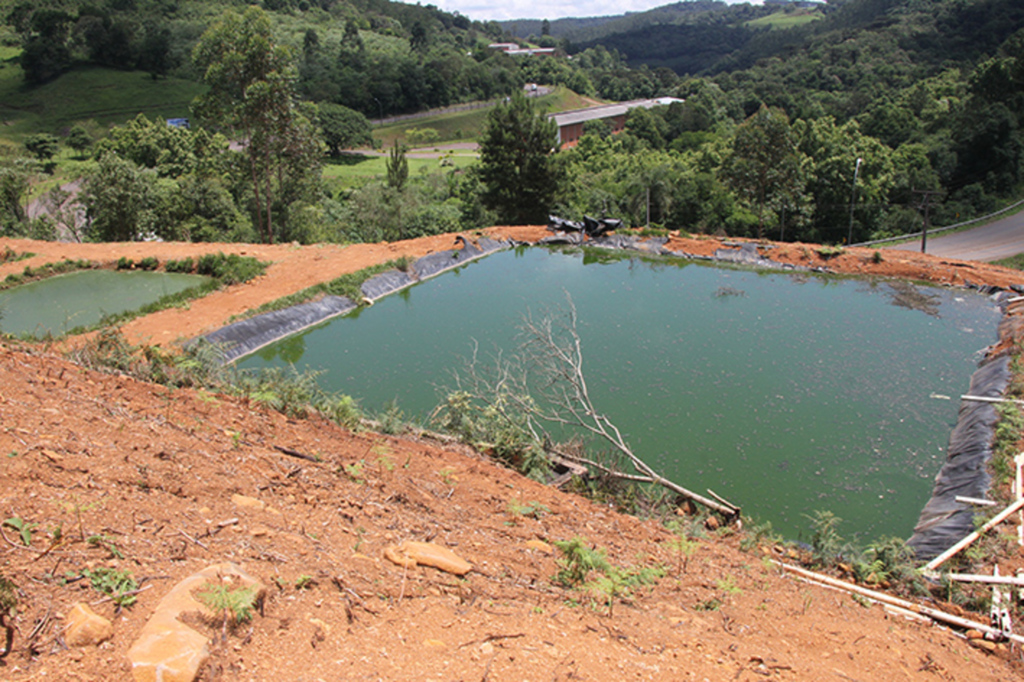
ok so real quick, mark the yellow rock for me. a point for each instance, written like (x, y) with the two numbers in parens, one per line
(247, 502)
(410, 554)
(85, 627)
(434, 643)
(321, 624)
(540, 545)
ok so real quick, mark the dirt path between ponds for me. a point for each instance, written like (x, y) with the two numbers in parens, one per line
(295, 267)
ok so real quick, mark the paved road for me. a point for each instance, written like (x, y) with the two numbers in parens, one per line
(1001, 239)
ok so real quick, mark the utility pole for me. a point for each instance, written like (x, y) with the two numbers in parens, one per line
(928, 193)
(853, 198)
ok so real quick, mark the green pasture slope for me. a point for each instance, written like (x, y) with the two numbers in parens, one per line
(91, 95)
(787, 19)
(467, 126)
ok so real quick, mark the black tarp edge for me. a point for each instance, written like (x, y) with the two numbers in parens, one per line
(247, 336)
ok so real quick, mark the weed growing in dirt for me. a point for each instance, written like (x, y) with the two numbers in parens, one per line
(354, 472)
(230, 606)
(518, 510)
(682, 546)
(826, 544)
(230, 269)
(1008, 433)
(758, 534)
(9, 255)
(76, 506)
(889, 561)
(8, 610)
(23, 527)
(107, 543)
(185, 265)
(728, 586)
(46, 270)
(588, 569)
(828, 252)
(120, 586)
(304, 582)
(447, 475)
(392, 420)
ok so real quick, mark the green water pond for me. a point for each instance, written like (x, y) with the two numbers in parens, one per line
(59, 304)
(784, 393)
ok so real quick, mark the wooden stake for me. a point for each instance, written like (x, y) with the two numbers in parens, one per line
(883, 598)
(994, 521)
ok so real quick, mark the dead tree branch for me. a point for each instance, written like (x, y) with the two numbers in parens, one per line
(550, 365)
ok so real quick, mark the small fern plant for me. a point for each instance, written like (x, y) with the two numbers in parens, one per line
(231, 607)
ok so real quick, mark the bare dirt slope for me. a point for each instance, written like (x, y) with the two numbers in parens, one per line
(151, 472)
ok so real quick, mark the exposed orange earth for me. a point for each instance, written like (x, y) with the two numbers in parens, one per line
(152, 472)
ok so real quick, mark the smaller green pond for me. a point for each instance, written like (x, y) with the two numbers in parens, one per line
(60, 304)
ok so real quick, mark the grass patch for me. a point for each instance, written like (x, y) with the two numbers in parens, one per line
(1014, 262)
(465, 126)
(9, 255)
(786, 19)
(30, 274)
(89, 93)
(355, 169)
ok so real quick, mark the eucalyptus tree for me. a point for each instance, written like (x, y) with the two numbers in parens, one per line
(764, 164)
(252, 94)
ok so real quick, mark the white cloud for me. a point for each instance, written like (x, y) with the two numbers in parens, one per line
(484, 10)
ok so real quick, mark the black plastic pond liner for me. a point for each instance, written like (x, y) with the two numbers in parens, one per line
(248, 336)
(944, 521)
(385, 283)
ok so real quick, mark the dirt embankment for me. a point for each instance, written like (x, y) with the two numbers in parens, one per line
(151, 473)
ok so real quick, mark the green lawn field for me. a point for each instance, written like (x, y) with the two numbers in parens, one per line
(90, 95)
(466, 126)
(787, 19)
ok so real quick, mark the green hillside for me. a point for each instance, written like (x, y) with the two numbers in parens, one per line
(87, 94)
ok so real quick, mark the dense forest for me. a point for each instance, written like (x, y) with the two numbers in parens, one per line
(818, 130)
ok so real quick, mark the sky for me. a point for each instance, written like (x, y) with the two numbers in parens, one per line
(500, 10)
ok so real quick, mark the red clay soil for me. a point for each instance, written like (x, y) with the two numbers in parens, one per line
(152, 471)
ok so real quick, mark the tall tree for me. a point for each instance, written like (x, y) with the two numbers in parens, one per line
(251, 81)
(764, 164)
(517, 164)
(343, 128)
(118, 200)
